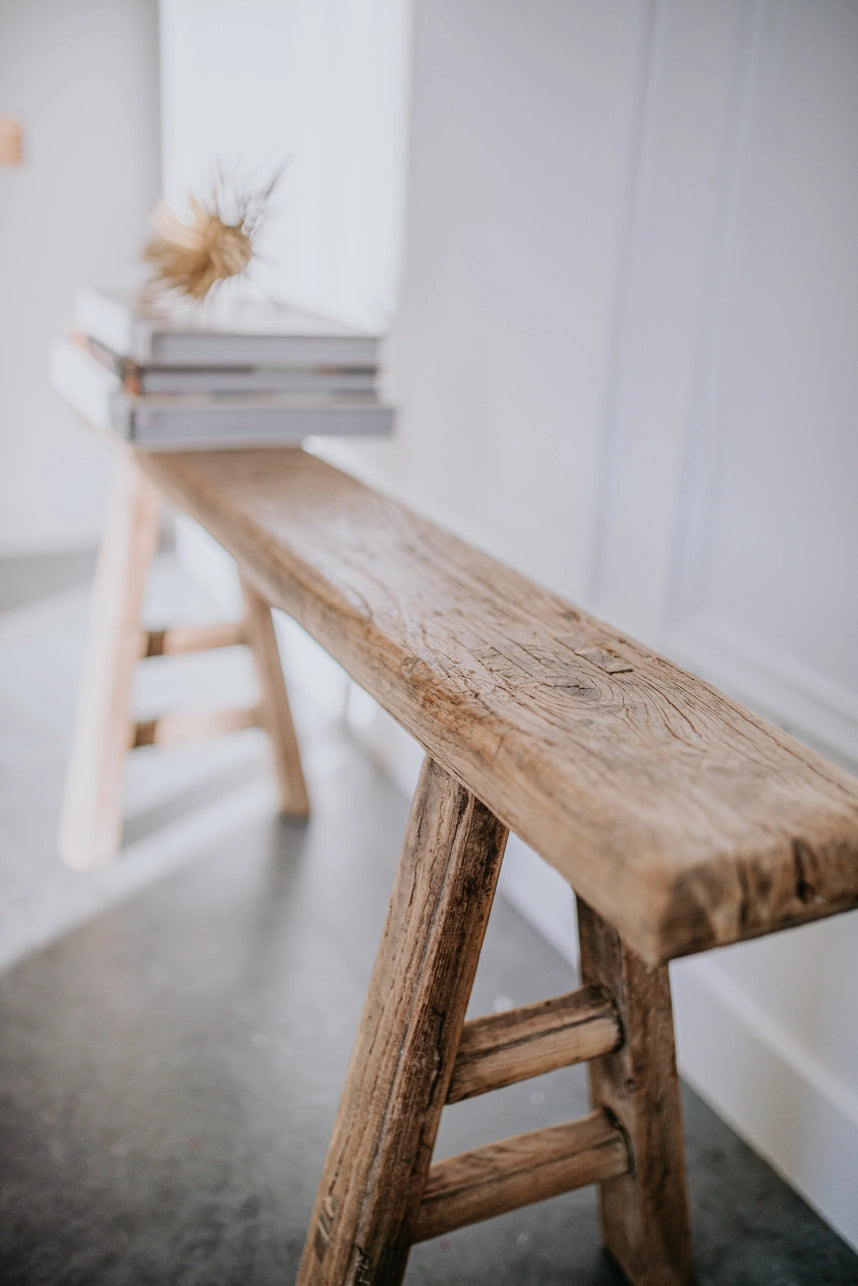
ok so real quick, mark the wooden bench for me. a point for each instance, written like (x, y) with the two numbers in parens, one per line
(681, 820)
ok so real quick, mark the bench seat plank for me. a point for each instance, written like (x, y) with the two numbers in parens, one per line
(682, 818)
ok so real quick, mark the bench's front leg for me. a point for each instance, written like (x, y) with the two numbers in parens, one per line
(372, 1182)
(645, 1225)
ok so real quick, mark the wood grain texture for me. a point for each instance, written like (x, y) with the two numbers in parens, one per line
(381, 1148)
(517, 1172)
(179, 639)
(90, 828)
(275, 710)
(684, 819)
(512, 1046)
(645, 1224)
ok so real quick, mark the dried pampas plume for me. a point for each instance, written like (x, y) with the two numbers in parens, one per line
(213, 244)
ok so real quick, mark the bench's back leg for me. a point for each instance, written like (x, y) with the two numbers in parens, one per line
(645, 1224)
(369, 1196)
(274, 703)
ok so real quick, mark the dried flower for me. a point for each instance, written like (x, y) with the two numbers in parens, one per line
(214, 243)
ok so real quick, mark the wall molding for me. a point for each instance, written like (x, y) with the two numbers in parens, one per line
(639, 120)
(702, 460)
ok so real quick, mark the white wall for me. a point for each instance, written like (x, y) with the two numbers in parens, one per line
(624, 361)
(83, 78)
(518, 155)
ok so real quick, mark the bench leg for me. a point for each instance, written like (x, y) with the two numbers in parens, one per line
(369, 1196)
(274, 703)
(91, 817)
(645, 1225)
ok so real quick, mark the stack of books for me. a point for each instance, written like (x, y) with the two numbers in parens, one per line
(231, 376)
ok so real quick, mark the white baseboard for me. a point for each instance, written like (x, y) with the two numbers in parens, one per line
(542, 896)
(784, 1104)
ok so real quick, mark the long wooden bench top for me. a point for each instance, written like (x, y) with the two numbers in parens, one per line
(682, 818)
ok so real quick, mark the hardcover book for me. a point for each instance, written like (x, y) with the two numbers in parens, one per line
(183, 421)
(220, 333)
(231, 379)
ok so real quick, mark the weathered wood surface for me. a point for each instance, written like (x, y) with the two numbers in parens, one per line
(275, 711)
(519, 1171)
(645, 1224)
(504, 1048)
(681, 817)
(90, 828)
(381, 1148)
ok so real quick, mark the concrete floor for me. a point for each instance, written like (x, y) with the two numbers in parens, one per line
(174, 1031)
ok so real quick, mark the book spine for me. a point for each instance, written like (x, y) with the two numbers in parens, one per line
(128, 372)
(131, 377)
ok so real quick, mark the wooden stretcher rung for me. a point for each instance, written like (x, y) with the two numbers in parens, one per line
(192, 638)
(171, 729)
(519, 1171)
(502, 1049)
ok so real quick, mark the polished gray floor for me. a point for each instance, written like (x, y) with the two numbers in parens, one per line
(174, 1030)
